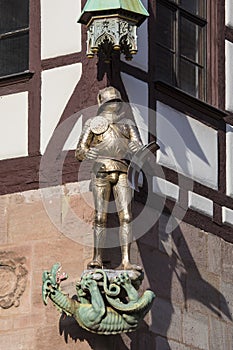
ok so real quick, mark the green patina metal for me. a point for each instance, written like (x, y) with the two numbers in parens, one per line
(130, 7)
(99, 308)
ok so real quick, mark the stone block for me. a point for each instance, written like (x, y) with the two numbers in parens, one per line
(27, 321)
(230, 336)
(81, 204)
(30, 221)
(20, 340)
(165, 344)
(178, 286)
(190, 244)
(227, 258)
(162, 343)
(214, 254)
(165, 235)
(166, 320)
(61, 249)
(48, 336)
(145, 340)
(126, 341)
(30, 196)
(77, 217)
(196, 330)
(203, 293)
(77, 187)
(226, 301)
(3, 219)
(150, 238)
(144, 225)
(162, 266)
(6, 324)
(36, 294)
(218, 335)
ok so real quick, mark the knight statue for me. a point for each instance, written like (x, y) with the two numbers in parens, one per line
(108, 301)
(110, 139)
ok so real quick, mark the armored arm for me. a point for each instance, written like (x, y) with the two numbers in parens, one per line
(135, 141)
(84, 142)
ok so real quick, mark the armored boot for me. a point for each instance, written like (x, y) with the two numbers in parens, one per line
(125, 241)
(99, 239)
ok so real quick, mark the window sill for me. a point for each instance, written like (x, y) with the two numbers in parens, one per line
(15, 78)
(189, 104)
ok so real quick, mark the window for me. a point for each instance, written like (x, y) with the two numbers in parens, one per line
(14, 36)
(180, 57)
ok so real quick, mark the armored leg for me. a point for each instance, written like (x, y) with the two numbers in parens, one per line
(123, 196)
(101, 192)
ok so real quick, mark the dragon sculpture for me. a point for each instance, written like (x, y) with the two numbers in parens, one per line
(100, 306)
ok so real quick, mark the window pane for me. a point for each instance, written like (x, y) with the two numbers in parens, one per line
(196, 7)
(164, 65)
(14, 54)
(14, 15)
(190, 5)
(190, 40)
(190, 78)
(165, 19)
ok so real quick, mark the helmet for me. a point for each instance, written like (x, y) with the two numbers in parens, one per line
(108, 94)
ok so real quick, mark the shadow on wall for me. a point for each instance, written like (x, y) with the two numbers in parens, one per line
(142, 339)
(180, 289)
(70, 328)
(177, 282)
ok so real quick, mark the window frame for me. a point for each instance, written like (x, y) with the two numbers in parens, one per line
(14, 34)
(202, 23)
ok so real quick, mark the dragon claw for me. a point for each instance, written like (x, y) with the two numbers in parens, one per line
(87, 281)
(122, 278)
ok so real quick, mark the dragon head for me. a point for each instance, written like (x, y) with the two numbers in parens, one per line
(51, 281)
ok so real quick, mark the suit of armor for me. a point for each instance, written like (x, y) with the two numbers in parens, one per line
(109, 139)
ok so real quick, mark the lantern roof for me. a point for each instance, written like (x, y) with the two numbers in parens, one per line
(133, 8)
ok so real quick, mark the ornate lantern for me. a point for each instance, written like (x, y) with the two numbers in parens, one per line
(112, 26)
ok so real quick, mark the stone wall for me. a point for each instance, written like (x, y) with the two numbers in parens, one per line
(190, 271)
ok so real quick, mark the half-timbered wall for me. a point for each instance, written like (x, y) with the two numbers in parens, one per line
(187, 252)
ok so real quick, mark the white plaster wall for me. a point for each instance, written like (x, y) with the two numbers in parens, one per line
(58, 85)
(200, 204)
(229, 76)
(229, 13)
(187, 146)
(227, 216)
(14, 127)
(60, 32)
(229, 160)
(138, 96)
(165, 188)
(73, 138)
(140, 60)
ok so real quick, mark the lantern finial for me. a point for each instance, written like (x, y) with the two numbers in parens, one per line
(112, 26)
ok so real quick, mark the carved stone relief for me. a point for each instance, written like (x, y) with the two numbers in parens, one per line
(13, 279)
